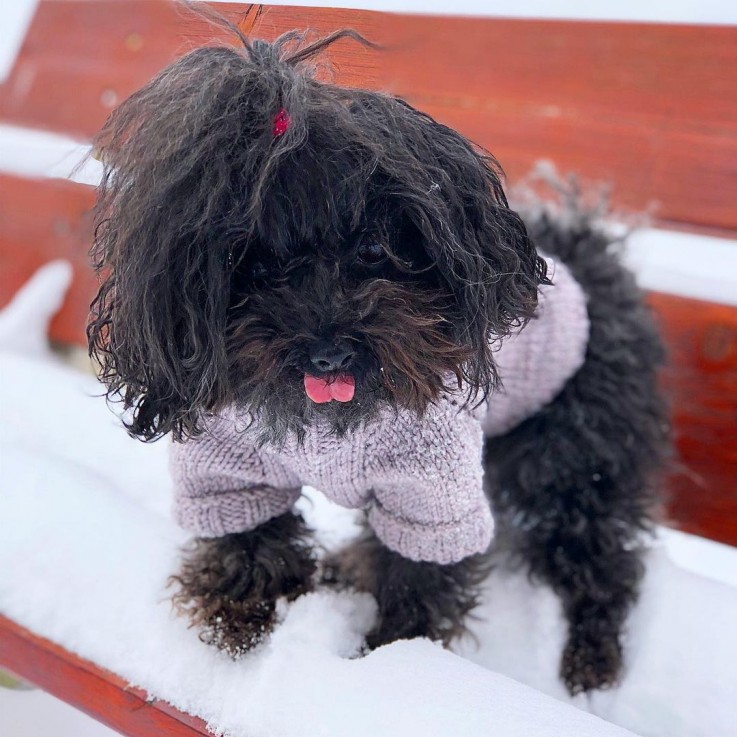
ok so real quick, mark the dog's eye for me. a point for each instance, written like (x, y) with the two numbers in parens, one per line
(371, 253)
(259, 272)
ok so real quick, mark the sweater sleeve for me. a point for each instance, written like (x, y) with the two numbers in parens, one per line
(535, 363)
(224, 484)
(428, 500)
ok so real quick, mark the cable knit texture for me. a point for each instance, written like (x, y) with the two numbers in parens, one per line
(419, 480)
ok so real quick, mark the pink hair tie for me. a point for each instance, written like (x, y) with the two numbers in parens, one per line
(281, 123)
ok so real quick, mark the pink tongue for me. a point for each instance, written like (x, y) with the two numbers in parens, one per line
(340, 388)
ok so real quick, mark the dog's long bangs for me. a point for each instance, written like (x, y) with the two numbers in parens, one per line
(198, 146)
(195, 169)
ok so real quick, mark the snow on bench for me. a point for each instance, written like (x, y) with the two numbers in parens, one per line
(87, 546)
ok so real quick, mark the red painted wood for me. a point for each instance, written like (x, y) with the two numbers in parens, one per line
(89, 688)
(41, 220)
(651, 108)
(701, 382)
(80, 59)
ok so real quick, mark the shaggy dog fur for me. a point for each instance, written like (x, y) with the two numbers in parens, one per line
(232, 258)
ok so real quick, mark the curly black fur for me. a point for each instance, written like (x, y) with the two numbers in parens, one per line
(229, 255)
(228, 587)
(575, 487)
(415, 598)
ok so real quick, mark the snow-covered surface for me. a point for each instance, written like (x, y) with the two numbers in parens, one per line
(691, 265)
(15, 17)
(34, 713)
(703, 557)
(25, 326)
(87, 545)
(26, 152)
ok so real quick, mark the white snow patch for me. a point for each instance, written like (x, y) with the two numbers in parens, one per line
(86, 567)
(86, 548)
(703, 557)
(15, 18)
(36, 714)
(26, 152)
(25, 321)
(691, 265)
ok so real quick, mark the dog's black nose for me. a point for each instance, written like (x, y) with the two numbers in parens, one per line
(331, 356)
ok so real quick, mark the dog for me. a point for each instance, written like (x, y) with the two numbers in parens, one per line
(302, 283)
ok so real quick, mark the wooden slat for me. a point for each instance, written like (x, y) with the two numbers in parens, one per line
(80, 59)
(701, 383)
(40, 221)
(89, 688)
(650, 108)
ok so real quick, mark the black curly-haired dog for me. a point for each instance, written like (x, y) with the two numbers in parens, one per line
(255, 226)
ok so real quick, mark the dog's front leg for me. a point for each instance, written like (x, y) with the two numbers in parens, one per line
(415, 598)
(228, 586)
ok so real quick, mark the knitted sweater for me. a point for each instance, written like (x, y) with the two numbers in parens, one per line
(420, 480)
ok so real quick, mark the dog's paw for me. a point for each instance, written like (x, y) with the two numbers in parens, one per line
(233, 625)
(236, 627)
(228, 587)
(590, 664)
(410, 618)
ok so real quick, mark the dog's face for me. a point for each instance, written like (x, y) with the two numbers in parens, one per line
(342, 324)
(355, 256)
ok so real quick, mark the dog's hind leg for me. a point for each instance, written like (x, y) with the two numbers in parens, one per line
(228, 586)
(415, 598)
(572, 487)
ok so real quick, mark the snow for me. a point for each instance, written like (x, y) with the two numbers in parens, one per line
(15, 18)
(33, 713)
(26, 152)
(87, 545)
(665, 260)
(25, 326)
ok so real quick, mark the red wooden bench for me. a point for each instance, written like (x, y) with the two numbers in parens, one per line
(650, 108)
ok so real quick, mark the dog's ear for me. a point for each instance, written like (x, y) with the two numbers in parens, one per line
(480, 246)
(179, 158)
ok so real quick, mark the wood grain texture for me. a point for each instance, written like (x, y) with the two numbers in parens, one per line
(79, 60)
(700, 380)
(89, 688)
(42, 220)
